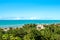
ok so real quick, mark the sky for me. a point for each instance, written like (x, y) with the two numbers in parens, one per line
(29, 9)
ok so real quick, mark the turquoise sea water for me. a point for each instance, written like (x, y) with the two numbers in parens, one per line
(16, 23)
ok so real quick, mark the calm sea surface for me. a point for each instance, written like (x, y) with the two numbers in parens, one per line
(16, 23)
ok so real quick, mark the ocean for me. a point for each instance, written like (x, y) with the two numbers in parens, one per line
(17, 23)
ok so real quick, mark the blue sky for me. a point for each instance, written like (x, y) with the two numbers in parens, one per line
(29, 9)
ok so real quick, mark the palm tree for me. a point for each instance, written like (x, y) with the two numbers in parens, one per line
(5, 36)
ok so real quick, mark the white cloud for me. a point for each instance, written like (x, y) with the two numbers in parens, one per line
(17, 18)
(34, 18)
(13, 18)
(20, 18)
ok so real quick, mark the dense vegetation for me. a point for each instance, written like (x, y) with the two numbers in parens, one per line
(29, 32)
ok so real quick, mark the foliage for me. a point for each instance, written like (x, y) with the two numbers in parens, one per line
(29, 32)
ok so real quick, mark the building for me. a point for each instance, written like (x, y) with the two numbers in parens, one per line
(39, 27)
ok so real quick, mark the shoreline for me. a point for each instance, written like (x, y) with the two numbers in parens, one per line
(20, 25)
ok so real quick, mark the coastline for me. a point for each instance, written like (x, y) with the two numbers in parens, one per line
(20, 25)
(6, 27)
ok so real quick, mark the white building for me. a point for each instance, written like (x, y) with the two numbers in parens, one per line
(5, 29)
(40, 26)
